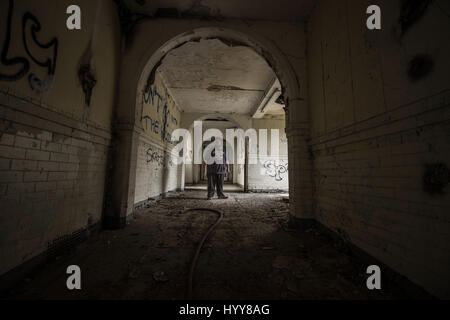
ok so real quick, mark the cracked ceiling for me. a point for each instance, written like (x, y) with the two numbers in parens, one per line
(209, 76)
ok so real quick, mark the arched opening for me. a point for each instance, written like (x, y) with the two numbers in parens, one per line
(213, 81)
(195, 177)
(160, 87)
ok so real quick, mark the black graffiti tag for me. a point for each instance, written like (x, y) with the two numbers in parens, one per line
(4, 55)
(275, 170)
(37, 85)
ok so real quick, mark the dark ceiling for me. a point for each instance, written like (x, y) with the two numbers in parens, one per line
(281, 10)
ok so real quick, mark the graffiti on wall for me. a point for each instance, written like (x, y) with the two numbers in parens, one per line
(160, 124)
(151, 94)
(276, 169)
(88, 81)
(30, 21)
(159, 158)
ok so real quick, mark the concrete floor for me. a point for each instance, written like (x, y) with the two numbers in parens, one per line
(251, 255)
(227, 187)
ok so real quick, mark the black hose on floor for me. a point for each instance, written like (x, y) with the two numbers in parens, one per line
(200, 246)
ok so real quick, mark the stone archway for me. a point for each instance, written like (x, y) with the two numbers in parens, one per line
(138, 68)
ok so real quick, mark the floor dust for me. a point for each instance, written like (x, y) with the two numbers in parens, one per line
(251, 255)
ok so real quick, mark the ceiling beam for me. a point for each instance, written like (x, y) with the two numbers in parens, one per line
(271, 95)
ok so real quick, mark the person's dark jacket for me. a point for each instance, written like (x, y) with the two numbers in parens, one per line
(217, 168)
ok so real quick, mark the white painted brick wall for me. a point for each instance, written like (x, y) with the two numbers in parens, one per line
(52, 180)
(269, 173)
(369, 187)
(154, 175)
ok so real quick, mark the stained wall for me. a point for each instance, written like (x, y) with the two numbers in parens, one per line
(379, 134)
(54, 146)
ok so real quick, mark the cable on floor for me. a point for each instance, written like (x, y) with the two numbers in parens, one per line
(200, 245)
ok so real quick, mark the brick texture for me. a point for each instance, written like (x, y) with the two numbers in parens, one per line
(51, 181)
(368, 187)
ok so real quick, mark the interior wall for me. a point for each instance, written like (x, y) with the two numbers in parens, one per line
(53, 145)
(374, 132)
(272, 171)
(187, 122)
(222, 126)
(156, 172)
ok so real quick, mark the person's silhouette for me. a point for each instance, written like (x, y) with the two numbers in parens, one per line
(216, 172)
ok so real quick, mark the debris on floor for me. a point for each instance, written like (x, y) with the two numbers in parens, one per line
(255, 257)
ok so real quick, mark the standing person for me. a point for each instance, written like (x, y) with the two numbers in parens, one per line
(216, 174)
